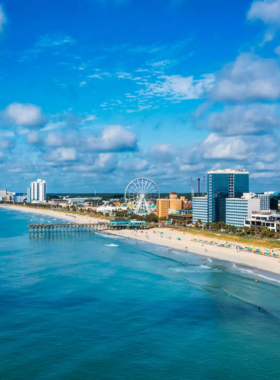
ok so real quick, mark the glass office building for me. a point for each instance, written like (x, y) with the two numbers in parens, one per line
(223, 184)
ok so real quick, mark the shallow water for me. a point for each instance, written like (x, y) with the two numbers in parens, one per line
(91, 306)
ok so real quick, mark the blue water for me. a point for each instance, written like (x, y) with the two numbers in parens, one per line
(74, 307)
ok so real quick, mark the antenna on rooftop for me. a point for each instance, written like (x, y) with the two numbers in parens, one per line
(198, 187)
(203, 185)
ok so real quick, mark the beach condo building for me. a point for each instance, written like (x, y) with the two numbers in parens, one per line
(200, 209)
(223, 184)
(240, 209)
(38, 191)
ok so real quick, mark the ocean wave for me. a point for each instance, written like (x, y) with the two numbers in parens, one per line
(250, 271)
(244, 270)
(111, 245)
(193, 269)
(267, 278)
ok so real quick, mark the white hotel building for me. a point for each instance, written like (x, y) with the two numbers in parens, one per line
(38, 191)
(240, 209)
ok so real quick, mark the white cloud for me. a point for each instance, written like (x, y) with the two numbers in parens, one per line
(267, 11)
(56, 125)
(180, 88)
(2, 157)
(249, 78)
(224, 148)
(7, 144)
(54, 139)
(53, 40)
(63, 154)
(33, 137)
(242, 120)
(123, 75)
(89, 118)
(114, 138)
(162, 152)
(26, 115)
(3, 19)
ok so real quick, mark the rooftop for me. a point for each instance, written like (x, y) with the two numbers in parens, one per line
(228, 171)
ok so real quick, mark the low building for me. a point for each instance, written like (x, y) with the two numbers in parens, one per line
(200, 209)
(81, 200)
(182, 217)
(239, 209)
(137, 223)
(110, 209)
(269, 219)
(188, 204)
(19, 198)
(119, 222)
(58, 202)
(126, 223)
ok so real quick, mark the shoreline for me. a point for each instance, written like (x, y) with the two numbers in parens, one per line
(80, 219)
(246, 259)
(169, 238)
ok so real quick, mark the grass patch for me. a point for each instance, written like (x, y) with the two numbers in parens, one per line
(245, 241)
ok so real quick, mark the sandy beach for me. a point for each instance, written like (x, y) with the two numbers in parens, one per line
(249, 259)
(55, 214)
(169, 238)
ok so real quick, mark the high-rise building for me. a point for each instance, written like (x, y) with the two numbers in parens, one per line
(3, 194)
(268, 201)
(38, 191)
(28, 195)
(223, 184)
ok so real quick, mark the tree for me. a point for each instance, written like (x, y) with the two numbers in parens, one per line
(152, 218)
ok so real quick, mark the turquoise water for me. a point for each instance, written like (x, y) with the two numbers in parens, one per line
(72, 306)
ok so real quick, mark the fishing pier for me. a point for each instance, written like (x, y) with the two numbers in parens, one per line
(35, 228)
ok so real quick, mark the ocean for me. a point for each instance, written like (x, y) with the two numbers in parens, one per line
(87, 305)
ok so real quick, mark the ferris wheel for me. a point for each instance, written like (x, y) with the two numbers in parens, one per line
(141, 194)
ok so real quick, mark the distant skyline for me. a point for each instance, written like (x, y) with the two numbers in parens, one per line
(95, 93)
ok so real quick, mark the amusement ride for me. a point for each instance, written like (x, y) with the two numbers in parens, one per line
(141, 195)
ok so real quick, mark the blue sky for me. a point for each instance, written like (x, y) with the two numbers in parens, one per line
(97, 92)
